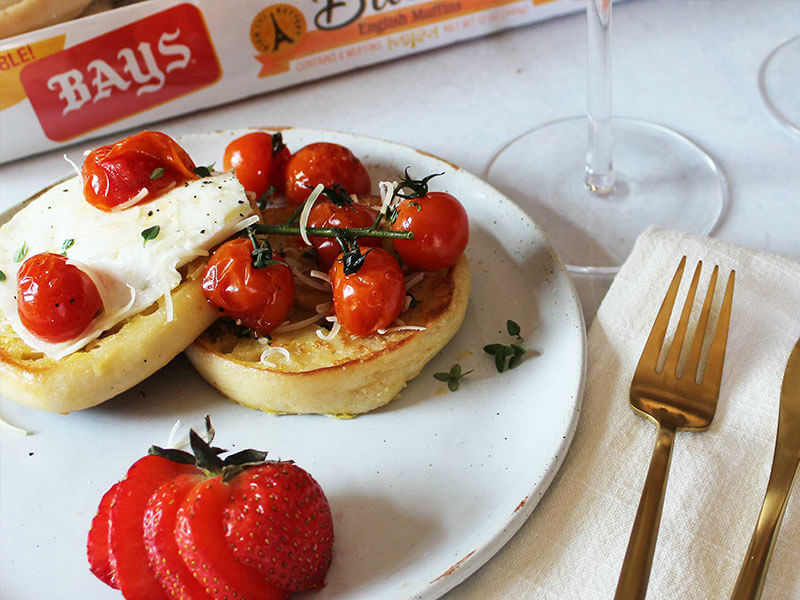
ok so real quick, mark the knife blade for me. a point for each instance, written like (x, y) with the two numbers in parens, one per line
(784, 469)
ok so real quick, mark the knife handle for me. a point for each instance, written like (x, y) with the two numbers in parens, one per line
(754, 569)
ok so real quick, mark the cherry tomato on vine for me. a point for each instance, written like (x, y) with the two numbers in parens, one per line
(328, 214)
(115, 174)
(371, 298)
(441, 231)
(327, 164)
(56, 301)
(260, 297)
(259, 161)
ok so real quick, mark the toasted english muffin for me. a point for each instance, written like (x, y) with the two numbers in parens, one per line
(19, 16)
(122, 357)
(346, 376)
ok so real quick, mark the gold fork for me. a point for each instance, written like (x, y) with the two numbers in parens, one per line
(673, 403)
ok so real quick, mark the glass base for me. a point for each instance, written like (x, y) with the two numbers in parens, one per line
(662, 179)
(777, 80)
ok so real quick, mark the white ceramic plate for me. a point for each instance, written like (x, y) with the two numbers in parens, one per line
(423, 491)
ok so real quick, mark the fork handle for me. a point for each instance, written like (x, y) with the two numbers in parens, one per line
(754, 569)
(635, 574)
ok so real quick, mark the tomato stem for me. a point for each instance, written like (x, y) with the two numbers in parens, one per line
(347, 232)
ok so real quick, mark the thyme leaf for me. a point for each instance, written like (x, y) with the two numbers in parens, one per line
(157, 173)
(266, 198)
(2, 276)
(513, 329)
(262, 251)
(66, 246)
(21, 252)
(150, 233)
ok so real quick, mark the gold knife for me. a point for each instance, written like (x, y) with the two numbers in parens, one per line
(784, 469)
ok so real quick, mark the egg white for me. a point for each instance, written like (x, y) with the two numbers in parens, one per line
(130, 274)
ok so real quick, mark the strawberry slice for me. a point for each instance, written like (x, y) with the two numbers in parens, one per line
(201, 539)
(279, 521)
(136, 580)
(97, 549)
(159, 540)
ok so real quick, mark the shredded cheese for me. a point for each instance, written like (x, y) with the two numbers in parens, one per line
(413, 280)
(306, 280)
(73, 165)
(387, 189)
(173, 441)
(274, 350)
(329, 335)
(312, 198)
(286, 327)
(321, 275)
(245, 223)
(13, 428)
(401, 328)
(133, 201)
(406, 303)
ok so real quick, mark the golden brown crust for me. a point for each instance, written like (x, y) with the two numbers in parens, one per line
(346, 376)
(19, 16)
(129, 353)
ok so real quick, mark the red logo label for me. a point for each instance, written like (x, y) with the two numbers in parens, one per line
(121, 73)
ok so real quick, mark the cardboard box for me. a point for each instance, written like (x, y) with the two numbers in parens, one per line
(160, 58)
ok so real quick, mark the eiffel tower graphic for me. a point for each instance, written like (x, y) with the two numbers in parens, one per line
(280, 35)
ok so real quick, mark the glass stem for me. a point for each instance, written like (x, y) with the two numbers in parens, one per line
(599, 167)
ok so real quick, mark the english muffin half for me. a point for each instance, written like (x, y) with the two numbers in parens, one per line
(303, 373)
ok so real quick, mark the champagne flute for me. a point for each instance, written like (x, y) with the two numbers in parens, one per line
(777, 81)
(593, 204)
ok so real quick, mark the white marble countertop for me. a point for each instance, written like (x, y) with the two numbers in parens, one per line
(691, 65)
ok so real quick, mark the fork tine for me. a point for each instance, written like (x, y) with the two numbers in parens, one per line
(700, 332)
(655, 340)
(671, 365)
(716, 359)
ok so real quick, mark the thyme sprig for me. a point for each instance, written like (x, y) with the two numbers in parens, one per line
(508, 356)
(335, 232)
(452, 377)
(262, 250)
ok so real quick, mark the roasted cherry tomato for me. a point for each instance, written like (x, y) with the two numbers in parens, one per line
(371, 298)
(56, 301)
(328, 214)
(259, 161)
(113, 175)
(327, 164)
(260, 298)
(441, 231)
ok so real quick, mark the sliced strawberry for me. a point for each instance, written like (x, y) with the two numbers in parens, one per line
(97, 548)
(201, 540)
(159, 540)
(279, 521)
(136, 580)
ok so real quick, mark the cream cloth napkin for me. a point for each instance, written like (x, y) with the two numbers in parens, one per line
(573, 545)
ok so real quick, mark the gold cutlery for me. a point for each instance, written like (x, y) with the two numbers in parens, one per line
(784, 468)
(673, 403)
